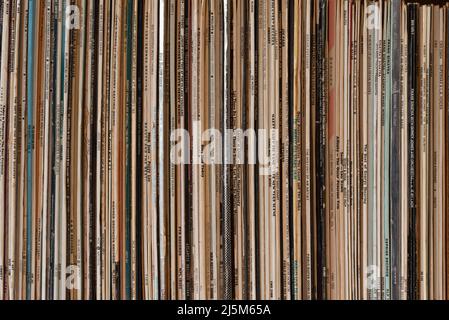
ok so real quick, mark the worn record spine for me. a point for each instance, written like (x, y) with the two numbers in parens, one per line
(307, 136)
(447, 147)
(46, 170)
(213, 56)
(106, 155)
(115, 137)
(236, 116)
(180, 167)
(194, 125)
(285, 149)
(155, 266)
(4, 106)
(86, 156)
(134, 109)
(12, 153)
(162, 113)
(296, 122)
(227, 196)
(262, 67)
(438, 123)
(423, 152)
(172, 220)
(146, 155)
(99, 141)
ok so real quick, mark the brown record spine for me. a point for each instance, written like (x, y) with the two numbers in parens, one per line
(297, 154)
(180, 168)
(100, 143)
(6, 10)
(12, 154)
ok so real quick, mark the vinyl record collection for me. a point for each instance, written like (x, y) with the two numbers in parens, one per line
(224, 149)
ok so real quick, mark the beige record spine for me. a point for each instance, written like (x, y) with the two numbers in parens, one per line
(354, 162)
(180, 168)
(124, 91)
(46, 149)
(269, 271)
(236, 107)
(271, 127)
(172, 38)
(339, 156)
(262, 65)
(423, 162)
(251, 191)
(307, 153)
(275, 152)
(213, 121)
(12, 153)
(106, 233)
(205, 89)
(115, 145)
(443, 103)
(87, 165)
(431, 150)
(444, 98)
(439, 182)
(147, 169)
(203, 106)
(134, 173)
(219, 66)
(153, 149)
(267, 207)
(57, 149)
(347, 282)
(297, 154)
(37, 188)
(161, 151)
(3, 112)
(99, 188)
